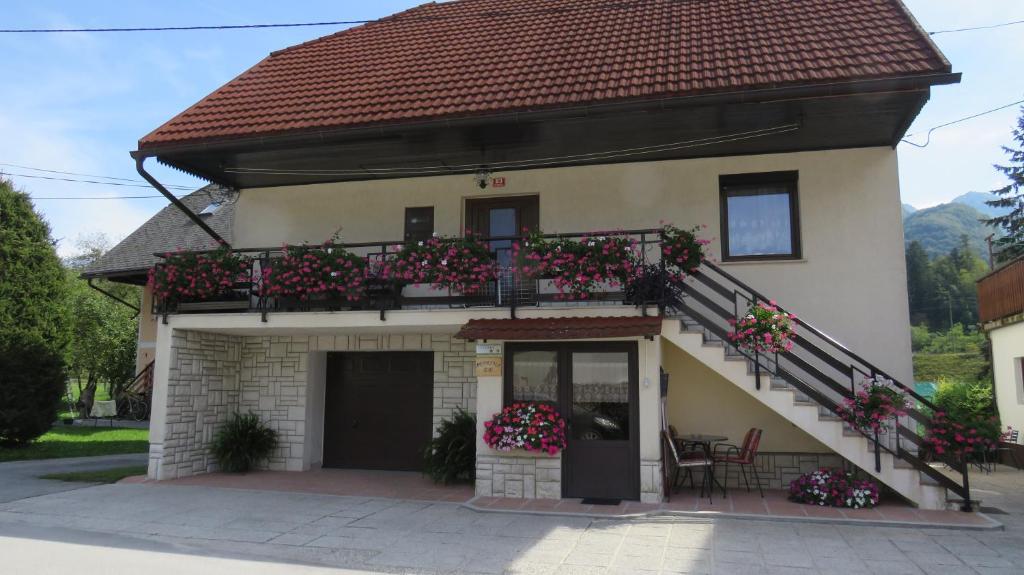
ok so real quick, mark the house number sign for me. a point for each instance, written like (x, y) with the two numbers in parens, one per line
(488, 366)
(488, 349)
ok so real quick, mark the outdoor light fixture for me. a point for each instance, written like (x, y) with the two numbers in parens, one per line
(482, 177)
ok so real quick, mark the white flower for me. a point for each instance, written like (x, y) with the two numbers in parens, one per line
(426, 263)
(420, 243)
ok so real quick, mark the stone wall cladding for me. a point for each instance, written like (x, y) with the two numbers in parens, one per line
(519, 476)
(213, 375)
(778, 469)
(202, 392)
(650, 481)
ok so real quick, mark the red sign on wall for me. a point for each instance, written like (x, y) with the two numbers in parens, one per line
(498, 182)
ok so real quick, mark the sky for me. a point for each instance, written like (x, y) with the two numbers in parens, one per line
(79, 102)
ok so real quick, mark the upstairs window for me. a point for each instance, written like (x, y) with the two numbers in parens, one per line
(760, 216)
(419, 224)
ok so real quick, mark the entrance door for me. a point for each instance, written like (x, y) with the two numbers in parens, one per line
(378, 410)
(498, 217)
(600, 392)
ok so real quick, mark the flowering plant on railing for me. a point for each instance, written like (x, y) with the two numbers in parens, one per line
(835, 488)
(197, 276)
(531, 426)
(764, 329)
(873, 405)
(462, 264)
(948, 437)
(682, 250)
(306, 271)
(578, 268)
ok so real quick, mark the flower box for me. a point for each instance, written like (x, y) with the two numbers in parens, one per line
(529, 426)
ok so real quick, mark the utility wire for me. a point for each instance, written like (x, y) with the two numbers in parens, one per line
(77, 180)
(928, 140)
(92, 197)
(48, 171)
(989, 27)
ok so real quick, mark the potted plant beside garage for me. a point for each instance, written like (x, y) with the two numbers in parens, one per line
(530, 426)
(306, 276)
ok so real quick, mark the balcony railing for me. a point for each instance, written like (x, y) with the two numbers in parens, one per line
(1001, 293)
(510, 288)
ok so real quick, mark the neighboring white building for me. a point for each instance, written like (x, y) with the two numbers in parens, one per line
(773, 124)
(1001, 306)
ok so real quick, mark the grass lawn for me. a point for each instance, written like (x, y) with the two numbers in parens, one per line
(102, 476)
(80, 442)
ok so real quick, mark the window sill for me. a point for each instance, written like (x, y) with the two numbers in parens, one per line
(761, 262)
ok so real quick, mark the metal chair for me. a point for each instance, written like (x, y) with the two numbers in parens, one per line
(689, 460)
(1009, 446)
(745, 456)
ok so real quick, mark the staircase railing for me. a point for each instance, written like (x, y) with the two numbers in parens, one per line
(818, 366)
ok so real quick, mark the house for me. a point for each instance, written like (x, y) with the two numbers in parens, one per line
(1001, 312)
(773, 124)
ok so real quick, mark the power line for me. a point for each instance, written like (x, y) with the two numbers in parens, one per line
(92, 197)
(928, 140)
(182, 28)
(176, 186)
(38, 177)
(988, 27)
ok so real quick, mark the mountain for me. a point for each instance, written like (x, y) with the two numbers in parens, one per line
(977, 201)
(907, 210)
(939, 228)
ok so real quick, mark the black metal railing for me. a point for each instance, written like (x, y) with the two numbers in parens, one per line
(509, 290)
(818, 366)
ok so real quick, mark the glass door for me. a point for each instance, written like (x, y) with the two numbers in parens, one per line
(503, 217)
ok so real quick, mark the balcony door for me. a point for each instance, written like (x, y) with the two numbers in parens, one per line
(507, 216)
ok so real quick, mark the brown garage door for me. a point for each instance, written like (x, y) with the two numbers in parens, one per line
(378, 410)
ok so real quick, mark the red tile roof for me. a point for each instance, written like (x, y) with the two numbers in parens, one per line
(560, 328)
(478, 57)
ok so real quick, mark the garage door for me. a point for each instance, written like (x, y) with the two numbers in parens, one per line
(378, 410)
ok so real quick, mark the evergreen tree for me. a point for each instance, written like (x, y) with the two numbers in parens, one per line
(919, 282)
(1011, 245)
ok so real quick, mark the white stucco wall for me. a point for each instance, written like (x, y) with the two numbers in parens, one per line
(851, 281)
(1007, 349)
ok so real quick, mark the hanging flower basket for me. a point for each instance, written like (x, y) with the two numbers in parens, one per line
(307, 272)
(946, 437)
(578, 268)
(873, 406)
(195, 277)
(682, 250)
(531, 426)
(461, 264)
(764, 329)
(834, 488)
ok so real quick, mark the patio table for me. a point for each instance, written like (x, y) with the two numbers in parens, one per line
(705, 441)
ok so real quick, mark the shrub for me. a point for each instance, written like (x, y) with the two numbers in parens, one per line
(765, 329)
(964, 401)
(184, 276)
(462, 264)
(242, 443)
(527, 425)
(835, 488)
(451, 456)
(960, 438)
(32, 382)
(304, 271)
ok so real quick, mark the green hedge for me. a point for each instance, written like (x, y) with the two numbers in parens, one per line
(954, 366)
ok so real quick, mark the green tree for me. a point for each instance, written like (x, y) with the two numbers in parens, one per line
(32, 321)
(1011, 197)
(919, 282)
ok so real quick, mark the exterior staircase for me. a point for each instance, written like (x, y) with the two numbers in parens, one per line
(806, 385)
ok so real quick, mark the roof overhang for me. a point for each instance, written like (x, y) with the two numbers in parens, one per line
(560, 328)
(826, 116)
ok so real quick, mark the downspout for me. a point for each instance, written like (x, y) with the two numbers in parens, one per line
(115, 298)
(139, 161)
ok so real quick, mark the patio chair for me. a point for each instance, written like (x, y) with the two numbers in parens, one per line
(745, 456)
(689, 460)
(1008, 446)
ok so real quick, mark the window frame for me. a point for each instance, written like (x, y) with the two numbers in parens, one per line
(737, 185)
(409, 211)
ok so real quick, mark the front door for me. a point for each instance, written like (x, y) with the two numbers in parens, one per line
(378, 410)
(600, 392)
(594, 385)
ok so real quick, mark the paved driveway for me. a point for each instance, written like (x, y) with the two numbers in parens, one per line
(173, 529)
(20, 479)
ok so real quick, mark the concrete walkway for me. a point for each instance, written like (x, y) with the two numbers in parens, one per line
(163, 528)
(20, 479)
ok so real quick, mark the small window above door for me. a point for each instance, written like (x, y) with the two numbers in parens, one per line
(419, 223)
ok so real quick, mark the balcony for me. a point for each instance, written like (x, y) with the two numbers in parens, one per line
(1001, 293)
(632, 267)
